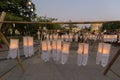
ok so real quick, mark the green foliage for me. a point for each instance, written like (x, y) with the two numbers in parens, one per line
(12, 17)
(20, 8)
(111, 26)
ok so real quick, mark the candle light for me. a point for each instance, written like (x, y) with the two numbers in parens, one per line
(65, 53)
(82, 54)
(99, 53)
(103, 54)
(28, 46)
(13, 49)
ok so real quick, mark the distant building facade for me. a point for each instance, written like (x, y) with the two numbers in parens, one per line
(95, 27)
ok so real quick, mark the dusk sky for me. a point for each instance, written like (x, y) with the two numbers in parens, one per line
(79, 10)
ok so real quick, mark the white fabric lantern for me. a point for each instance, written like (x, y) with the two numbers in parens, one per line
(82, 57)
(28, 46)
(65, 53)
(103, 54)
(13, 49)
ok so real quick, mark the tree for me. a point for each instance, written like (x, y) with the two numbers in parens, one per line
(111, 26)
(20, 8)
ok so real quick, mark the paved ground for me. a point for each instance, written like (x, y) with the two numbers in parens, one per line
(36, 69)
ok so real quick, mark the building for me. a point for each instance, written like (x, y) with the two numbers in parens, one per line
(95, 27)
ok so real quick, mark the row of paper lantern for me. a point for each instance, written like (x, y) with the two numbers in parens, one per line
(27, 47)
(61, 52)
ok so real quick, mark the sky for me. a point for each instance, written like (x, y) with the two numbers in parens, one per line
(79, 10)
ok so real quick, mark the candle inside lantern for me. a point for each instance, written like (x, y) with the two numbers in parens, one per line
(49, 45)
(30, 42)
(86, 48)
(54, 44)
(80, 48)
(25, 41)
(44, 46)
(13, 44)
(59, 45)
(65, 47)
(106, 48)
(13, 51)
(99, 53)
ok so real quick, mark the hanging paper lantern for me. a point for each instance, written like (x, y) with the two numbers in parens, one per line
(48, 45)
(13, 49)
(82, 54)
(44, 46)
(59, 49)
(54, 49)
(99, 53)
(25, 46)
(85, 54)
(105, 56)
(45, 53)
(65, 53)
(28, 46)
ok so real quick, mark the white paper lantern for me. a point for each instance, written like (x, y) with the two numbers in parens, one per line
(46, 47)
(103, 54)
(82, 54)
(28, 46)
(13, 49)
(59, 49)
(85, 54)
(54, 49)
(99, 53)
(65, 53)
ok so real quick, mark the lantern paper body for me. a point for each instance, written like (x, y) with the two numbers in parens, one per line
(59, 49)
(13, 49)
(105, 56)
(28, 46)
(54, 50)
(85, 55)
(45, 52)
(82, 57)
(65, 53)
(99, 53)
(30, 43)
